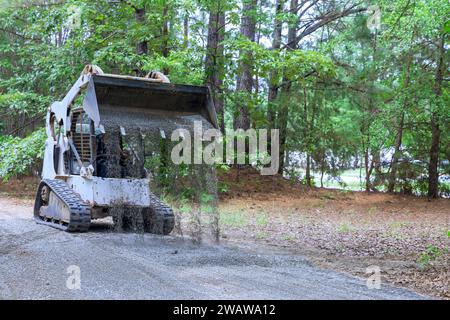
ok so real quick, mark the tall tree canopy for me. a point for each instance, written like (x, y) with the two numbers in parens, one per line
(349, 83)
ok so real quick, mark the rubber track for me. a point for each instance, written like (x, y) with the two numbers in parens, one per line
(162, 211)
(80, 214)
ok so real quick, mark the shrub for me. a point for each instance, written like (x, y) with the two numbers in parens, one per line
(18, 155)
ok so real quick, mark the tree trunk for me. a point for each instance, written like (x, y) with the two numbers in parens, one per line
(165, 35)
(369, 170)
(433, 173)
(286, 88)
(214, 65)
(306, 137)
(273, 76)
(396, 155)
(308, 170)
(322, 169)
(142, 46)
(186, 31)
(245, 74)
(398, 139)
(282, 126)
(379, 177)
(366, 168)
(309, 132)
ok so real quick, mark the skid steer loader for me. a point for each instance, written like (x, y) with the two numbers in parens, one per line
(78, 184)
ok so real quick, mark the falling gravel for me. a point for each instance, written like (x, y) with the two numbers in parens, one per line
(138, 145)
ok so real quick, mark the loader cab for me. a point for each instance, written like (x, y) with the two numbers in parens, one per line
(82, 134)
(57, 133)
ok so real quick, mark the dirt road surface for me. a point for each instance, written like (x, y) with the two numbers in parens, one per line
(35, 263)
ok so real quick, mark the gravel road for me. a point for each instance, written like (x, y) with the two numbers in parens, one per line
(34, 262)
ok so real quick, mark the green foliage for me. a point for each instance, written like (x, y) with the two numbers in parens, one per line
(222, 187)
(18, 155)
(186, 66)
(23, 102)
(298, 63)
(344, 227)
(431, 255)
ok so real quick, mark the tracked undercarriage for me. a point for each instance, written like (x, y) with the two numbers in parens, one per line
(59, 206)
(91, 168)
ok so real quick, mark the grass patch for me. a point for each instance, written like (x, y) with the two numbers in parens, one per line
(233, 219)
(394, 229)
(185, 207)
(344, 227)
(262, 219)
(288, 237)
(430, 255)
(397, 225)
(262, 235)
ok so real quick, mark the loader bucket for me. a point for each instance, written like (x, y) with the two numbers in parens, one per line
(134, 100)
